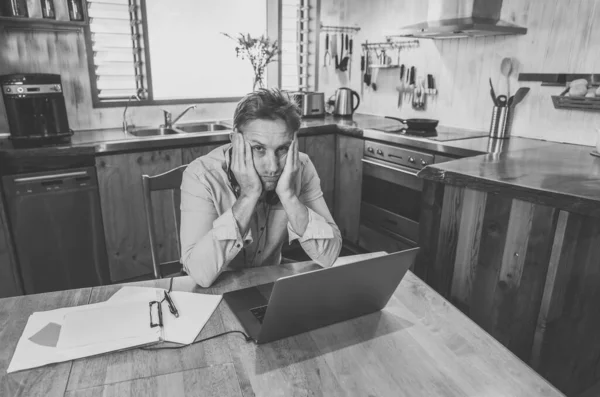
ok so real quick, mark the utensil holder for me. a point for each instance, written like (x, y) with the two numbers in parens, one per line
(501, 122)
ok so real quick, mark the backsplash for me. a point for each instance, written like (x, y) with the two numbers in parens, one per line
(462, 67)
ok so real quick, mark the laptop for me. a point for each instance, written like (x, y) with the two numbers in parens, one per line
(303, 302)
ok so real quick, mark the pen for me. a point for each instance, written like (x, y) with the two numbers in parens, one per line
(172, 307)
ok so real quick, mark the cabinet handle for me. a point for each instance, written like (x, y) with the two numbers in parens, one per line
(411, 159)
(380, 152)
(370, 149)
(424, 163)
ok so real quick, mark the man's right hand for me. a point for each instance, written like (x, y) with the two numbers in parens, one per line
(242, 166)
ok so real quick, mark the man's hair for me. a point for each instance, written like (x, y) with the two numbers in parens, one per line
(269, 104)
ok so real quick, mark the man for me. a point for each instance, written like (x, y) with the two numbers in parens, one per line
(243, 201)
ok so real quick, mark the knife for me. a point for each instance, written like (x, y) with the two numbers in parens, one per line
(350, 61)
(362, 73)
(401, 89)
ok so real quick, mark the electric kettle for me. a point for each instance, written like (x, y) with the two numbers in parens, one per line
(344, 102)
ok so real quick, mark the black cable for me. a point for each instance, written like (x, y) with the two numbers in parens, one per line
(248, 339)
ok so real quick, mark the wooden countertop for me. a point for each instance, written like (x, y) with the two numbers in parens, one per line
(557, 175)
(419, 345)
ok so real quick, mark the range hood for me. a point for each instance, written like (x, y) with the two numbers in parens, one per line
(451, 19)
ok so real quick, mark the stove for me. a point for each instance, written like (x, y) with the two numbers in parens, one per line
(441, 133)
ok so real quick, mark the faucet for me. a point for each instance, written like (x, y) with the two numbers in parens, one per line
(168, 117)
(136, 97)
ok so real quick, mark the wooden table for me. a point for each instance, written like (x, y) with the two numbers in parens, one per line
(419, 345)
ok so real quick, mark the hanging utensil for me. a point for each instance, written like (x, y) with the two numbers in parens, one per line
(367, 76)
(506, 69)
(362, 72)
(341, 51)
(327, 59)
(350, 60)
(401, 86)
(334, 45)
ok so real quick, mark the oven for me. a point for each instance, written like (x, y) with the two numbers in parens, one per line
(391, 197)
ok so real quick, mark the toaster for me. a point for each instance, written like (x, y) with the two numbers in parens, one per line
(311, 104)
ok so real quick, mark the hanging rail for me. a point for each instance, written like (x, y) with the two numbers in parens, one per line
(330, 28)
(392, 44)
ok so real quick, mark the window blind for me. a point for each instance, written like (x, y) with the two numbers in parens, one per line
(116, 36)
(294, 44)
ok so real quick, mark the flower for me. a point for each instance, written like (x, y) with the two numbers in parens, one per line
(259, 50)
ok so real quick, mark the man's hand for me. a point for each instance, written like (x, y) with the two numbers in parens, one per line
(286, 186)
(242, 166)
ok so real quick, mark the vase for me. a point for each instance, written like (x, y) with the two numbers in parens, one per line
(258, 82)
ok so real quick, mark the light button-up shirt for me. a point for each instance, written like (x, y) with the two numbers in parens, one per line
(211, 241)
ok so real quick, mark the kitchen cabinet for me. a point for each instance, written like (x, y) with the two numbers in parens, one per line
(189, 154)
(321, 150)
(524, 271)
(10, 283)
(121, 197)
(348, 186)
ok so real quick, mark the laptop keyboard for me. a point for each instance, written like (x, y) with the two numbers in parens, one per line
(259, 313)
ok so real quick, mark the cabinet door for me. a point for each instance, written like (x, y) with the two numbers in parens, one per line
(348, 186)
(125, 228)
(189, 154)
(10, 283)
(321, 150)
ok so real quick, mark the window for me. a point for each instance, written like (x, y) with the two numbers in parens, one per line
(294, 44)
(115, 44)
(174, 52)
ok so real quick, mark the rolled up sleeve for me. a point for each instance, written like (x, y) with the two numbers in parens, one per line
(322, 240)
(209, 241)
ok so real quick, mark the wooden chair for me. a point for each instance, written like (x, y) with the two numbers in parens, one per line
(170, 180)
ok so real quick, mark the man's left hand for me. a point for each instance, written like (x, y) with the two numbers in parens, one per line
(286, 186)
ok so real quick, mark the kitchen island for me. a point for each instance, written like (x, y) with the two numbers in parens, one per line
(513, 240)
(418, 345)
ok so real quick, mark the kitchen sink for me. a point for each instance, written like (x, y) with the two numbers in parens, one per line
(153, 131)
(201, 127)
(204, 126)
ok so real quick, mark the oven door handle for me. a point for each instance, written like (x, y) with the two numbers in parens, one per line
(392, 174)
(391, 167)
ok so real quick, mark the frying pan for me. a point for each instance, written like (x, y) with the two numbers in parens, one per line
(417, 124)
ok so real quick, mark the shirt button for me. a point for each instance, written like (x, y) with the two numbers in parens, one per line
(237, 246)
(259, 251)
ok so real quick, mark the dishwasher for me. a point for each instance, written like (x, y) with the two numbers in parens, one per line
(56, 225)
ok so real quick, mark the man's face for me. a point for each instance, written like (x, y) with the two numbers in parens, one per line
(270, 141)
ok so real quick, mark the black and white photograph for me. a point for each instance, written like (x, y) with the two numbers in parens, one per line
(241, 198)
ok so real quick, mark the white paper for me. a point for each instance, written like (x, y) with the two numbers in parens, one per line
(30, 354)
(194, 311)
(108, 323)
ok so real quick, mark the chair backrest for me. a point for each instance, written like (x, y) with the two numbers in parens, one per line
(170, 180)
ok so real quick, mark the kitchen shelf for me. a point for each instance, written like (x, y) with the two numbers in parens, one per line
(559, 79)
(375, 66)
(577, 103)
(19, 23)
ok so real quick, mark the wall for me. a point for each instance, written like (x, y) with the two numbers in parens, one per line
(562, 37)
(64, 53)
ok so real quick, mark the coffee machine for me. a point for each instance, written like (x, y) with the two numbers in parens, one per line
(36, 110)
